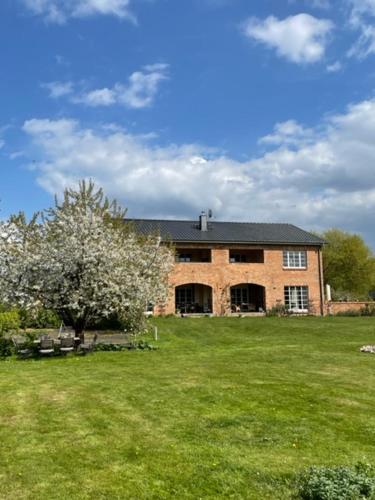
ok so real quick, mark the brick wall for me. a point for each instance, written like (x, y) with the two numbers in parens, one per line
(338, 307)
(221, 275)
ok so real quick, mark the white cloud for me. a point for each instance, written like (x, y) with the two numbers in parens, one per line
(58, 89)
(362, 14)
(139, 92)
(327, 180)
(288, 133)
(334, 67)
(59, 11)
(365, 45)
(360, 8)
(99, 97)
(300, 39)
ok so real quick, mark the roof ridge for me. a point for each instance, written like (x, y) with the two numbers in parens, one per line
(212, 221)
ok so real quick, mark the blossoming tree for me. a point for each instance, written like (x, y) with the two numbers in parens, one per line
(80, 259)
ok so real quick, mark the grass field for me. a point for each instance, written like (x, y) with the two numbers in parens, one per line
(226, 408)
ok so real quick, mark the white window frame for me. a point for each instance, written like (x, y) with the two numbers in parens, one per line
(296, 298)
(294, 259)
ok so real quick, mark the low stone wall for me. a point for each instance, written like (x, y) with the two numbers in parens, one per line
(333, 308)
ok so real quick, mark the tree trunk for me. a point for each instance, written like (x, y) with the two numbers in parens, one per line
(79, 327)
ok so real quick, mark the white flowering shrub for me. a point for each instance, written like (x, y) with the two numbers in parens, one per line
(81, 260)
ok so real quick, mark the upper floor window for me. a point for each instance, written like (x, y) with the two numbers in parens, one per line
(193, 255)
(297, 298)
(183, 257)
(295, 259)
(246, 256)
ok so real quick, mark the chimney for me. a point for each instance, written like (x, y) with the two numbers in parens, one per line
(203, 222)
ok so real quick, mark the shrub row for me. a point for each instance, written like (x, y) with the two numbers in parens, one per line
(139, 345)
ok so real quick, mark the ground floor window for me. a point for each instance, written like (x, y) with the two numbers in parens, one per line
(193, 299)
(247, 298)
(184, 296)
(239, 295)
(297, 298)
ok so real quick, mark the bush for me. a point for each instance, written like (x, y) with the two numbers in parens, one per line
(9, 321)
(141, 345)
(111, 323)
(6, 347)
(40, 318)
(135, 322)
(278, 310)
(337, 483)
(368, 310)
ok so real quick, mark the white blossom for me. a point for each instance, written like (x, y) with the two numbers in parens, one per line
(81, 260)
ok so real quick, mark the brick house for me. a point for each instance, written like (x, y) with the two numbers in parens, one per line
(229, 267)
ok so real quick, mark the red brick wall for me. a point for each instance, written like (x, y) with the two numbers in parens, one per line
(220, 274)
(338, 307)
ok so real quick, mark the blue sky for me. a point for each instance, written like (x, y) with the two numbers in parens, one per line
(261, 110)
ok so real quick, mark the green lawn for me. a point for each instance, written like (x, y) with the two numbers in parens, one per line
(226, 408)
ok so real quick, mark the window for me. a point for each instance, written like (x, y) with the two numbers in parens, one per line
(246, 256)
(297, 298)
(193, 255)
(295, 259)
(184, 296)
(239, 295)
(183, 257)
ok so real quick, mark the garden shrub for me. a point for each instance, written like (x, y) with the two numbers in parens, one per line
(135, 322)
(140, 345)
(113, 323)
(9, 321)
(368, 311)
(337, 483)
(6, 347)
(277, 311)
(40, 318)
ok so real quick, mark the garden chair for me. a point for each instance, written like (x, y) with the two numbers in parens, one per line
(66, 345)
(46, 347)
(88, 347)
(22, 350)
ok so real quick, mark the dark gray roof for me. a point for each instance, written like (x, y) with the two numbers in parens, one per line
(226, 232)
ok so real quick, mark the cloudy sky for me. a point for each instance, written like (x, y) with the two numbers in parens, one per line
(261, 110)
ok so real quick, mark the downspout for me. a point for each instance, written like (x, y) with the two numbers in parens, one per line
(321, 282)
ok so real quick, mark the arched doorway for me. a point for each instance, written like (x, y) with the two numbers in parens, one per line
(248, 297)
(193, 298)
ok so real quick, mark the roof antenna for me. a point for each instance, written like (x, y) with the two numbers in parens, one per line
(210, 214)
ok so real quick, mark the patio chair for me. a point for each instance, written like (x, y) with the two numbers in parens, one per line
(22, 351)
(46, 347)
(88, 347)
(66, 345)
